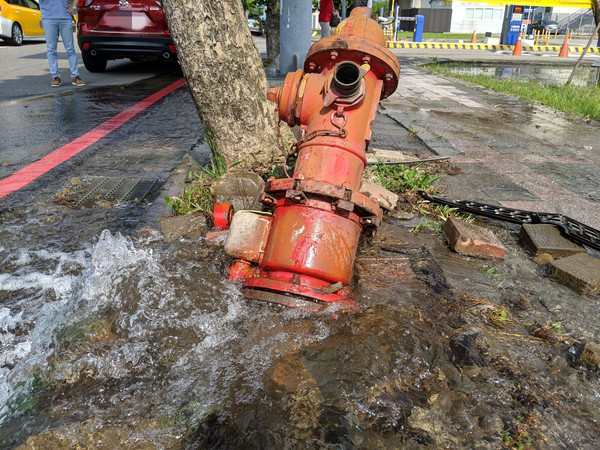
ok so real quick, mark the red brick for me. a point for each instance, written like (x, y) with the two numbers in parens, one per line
(216, 237)
(469, 239)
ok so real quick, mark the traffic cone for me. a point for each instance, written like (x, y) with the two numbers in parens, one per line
(564, 50)
(474, 38)
(518, 47)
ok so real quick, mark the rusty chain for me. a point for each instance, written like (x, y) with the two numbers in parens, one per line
(341, 132)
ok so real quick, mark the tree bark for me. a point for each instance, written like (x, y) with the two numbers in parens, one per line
(224, 73)
(272, 29)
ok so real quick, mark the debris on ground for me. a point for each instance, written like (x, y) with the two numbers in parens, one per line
(470, 239)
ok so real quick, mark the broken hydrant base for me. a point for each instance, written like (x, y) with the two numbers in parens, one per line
(291, 301)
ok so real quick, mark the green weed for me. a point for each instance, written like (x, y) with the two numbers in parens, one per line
(523, 432)
(196, 196)
(433, 225)
(27, 400)
(411, 131)
(397, 178)
(183, 416)
(492, 273)
(498, 317)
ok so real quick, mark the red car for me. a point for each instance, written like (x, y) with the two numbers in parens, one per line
(113, 29)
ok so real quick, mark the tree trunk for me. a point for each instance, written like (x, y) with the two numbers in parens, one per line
(272, 29)
(224, 73)
(596, 11)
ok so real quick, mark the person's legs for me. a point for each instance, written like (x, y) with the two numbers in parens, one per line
(324, 29)
(51, 33)
(66, 32)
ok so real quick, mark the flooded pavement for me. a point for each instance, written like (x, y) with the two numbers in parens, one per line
(117, 339)
(504, 145)
(551, 74)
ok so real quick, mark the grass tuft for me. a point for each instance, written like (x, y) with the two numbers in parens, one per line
(196, 196)
(397, 178)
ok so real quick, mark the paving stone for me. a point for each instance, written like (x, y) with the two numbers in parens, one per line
(544, 238)
(473, 240)
(386, 199)
(580, 272)
(190, 226)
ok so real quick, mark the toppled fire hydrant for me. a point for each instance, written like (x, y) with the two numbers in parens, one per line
(306, 246)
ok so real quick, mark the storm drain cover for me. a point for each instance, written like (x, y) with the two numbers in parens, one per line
(107, 191)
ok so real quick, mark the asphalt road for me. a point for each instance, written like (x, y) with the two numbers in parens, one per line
(25, 71)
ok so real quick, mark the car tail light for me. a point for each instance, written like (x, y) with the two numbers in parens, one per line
(85, 2)
(172, 48)
(85, 46)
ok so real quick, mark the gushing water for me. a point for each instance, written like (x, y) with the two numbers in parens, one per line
(147, 345)
(135, 329)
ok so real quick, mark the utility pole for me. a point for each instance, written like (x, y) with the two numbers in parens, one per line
(294, 32)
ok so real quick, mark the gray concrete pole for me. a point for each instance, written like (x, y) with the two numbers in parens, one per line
(343, 10)
(294, 34)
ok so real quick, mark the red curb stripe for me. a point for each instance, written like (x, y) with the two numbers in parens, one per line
(33, 171)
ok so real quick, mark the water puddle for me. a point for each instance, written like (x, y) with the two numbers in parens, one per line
(552, 74)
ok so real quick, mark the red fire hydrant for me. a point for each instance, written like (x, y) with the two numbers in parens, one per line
(308, 245)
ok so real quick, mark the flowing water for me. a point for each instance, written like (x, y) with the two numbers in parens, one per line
(114, 343)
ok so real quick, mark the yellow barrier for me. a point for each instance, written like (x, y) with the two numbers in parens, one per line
(489, 47)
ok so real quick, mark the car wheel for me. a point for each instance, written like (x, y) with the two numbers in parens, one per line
(93, 63)
(17, 35)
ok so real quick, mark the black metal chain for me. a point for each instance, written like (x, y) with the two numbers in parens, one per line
(574, 230)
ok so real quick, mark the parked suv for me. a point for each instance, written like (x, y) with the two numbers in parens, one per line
(113, 29)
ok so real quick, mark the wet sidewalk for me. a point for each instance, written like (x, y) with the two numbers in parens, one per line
(511, 152)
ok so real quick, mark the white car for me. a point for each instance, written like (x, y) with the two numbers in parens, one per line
(254, 25)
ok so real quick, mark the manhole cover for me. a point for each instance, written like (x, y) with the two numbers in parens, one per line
(94, 191)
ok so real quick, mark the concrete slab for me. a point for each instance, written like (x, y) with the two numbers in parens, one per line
(580, 272)
(542, 238)
(191, 226)
(386, 199)
(238, 188)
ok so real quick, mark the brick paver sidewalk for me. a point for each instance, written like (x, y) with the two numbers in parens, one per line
(513, 153)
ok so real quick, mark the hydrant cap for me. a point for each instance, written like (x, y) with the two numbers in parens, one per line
(354, 39)
(360, 24)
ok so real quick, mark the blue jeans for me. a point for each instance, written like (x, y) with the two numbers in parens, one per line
(51, 29)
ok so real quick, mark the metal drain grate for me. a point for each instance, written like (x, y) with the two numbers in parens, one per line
(92, 191)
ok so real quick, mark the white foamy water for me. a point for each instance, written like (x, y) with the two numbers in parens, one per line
(178, 327)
